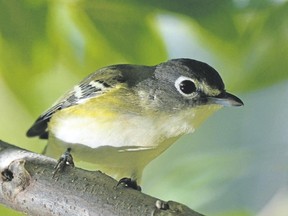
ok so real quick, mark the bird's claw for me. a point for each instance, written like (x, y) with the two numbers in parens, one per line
(65, 160)
(130, 183)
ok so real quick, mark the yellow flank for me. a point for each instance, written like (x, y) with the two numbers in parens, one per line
(107, 104)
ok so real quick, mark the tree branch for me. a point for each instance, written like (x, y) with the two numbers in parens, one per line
(26, 185)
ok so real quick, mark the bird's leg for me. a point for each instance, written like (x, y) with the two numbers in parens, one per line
(128, 182)
(66, 159)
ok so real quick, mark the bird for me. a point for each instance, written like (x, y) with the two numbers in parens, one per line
(121, 117)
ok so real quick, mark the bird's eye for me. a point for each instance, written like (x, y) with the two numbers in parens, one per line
(186, 86)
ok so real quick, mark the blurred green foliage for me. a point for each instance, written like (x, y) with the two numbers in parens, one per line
(48, 45)
(80, 36)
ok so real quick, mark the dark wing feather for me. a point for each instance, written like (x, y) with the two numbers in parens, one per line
(39, 128)
(94, 85)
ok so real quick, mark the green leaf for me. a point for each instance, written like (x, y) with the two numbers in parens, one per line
(129, 29)
(56, 37)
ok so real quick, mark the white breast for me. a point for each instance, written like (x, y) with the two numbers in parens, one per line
(127, 130)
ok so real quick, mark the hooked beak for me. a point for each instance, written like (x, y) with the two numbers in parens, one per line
(226, 99)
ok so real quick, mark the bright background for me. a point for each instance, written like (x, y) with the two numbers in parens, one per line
(236, 163)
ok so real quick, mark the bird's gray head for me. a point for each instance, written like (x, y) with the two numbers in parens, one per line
(185, 83)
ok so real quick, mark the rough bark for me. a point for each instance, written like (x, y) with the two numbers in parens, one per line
(27, 185)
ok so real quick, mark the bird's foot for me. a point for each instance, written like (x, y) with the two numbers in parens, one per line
(130, 183)
(65, 160)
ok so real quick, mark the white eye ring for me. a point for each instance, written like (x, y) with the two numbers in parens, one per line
(186, 86)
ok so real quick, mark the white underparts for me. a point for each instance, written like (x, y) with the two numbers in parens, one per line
(125, 130)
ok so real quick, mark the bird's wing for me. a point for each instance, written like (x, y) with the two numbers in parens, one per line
(96, 84)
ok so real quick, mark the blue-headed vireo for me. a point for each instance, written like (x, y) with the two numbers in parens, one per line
(121, 117)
